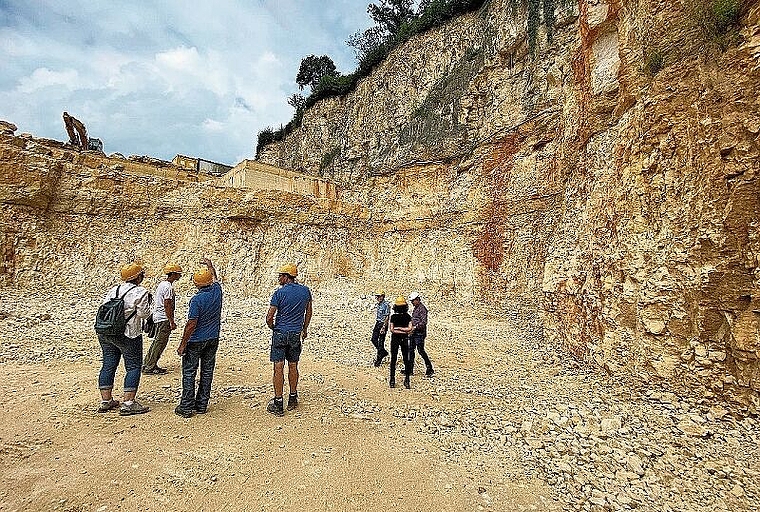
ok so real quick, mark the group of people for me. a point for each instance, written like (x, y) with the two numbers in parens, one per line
(408, 333)
(119, 324)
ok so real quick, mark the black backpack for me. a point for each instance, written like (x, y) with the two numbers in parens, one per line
(110, 320)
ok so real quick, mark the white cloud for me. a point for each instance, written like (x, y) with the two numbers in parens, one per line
(161, 78)
(44, 77)
(213, 126)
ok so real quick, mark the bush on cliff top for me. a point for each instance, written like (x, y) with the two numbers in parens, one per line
(396, 23)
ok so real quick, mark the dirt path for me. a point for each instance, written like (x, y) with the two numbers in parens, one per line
(506, 424)
(354, 444)
(58, 454)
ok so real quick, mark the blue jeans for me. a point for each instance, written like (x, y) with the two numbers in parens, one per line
(201, 353)
(417, 342)
(114, 348)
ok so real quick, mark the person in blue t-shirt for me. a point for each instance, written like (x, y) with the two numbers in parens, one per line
(200, 340)
(288, 316)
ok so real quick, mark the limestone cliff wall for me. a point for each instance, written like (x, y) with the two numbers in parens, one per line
(69, 220)
(618, 203)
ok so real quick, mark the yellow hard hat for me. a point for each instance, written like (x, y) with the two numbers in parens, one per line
(172, 268)
(288, 268)
(379, 292)
(400, 301)
(203, 277)
(131, 271)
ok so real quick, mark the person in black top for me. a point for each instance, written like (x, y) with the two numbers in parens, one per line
(401, 326)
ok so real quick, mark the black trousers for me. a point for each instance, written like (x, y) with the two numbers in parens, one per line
(378, 340)
(399, 342)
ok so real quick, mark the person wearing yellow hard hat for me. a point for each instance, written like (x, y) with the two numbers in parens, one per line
(163, 319)
(200, 341)
(288, 316)
(119, 328)
(401, 326)
(382, 314)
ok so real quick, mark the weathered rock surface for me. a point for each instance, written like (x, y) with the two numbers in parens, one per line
(620, 206)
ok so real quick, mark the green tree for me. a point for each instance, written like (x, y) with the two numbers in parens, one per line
(297, 101)
(391, 14)
(312, 70)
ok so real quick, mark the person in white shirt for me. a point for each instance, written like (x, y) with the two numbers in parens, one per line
(163, 316)
(138, 305)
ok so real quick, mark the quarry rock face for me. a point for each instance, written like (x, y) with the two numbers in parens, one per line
(619, 202)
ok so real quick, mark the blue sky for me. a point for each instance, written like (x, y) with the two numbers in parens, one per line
(161, 78)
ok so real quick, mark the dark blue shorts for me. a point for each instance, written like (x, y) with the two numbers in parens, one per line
(285, 345)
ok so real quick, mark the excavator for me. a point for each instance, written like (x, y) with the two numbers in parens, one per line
(78, 134)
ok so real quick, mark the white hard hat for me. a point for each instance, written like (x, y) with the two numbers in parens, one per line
(414, 295)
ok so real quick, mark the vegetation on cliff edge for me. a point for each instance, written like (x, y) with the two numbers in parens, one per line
(395, 23)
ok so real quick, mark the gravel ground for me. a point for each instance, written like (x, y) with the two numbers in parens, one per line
(501, 401)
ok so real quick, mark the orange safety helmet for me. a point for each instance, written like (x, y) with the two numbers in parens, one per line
(131, 271)
(203, 277)
(172, 268)
(289, 268)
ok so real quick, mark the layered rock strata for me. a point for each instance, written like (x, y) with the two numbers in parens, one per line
(617, 200)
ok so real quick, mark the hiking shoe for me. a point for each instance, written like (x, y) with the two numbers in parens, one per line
(292, 402)
(429, 372)
(133, 408)
(155, 371)
(377, 362)
(183, 412)
(393, 383)
(407, 384)
(275, 407)
(108, 405)
(201, 411)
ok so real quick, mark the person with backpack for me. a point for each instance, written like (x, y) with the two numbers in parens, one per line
(163, 318)
(200, 341)
(119, 328)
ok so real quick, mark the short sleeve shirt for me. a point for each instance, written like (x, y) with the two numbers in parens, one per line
(164, 291)
(206, 308)
(290, 300)
(383, 310)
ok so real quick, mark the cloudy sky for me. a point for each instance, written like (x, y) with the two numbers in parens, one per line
(160, 78)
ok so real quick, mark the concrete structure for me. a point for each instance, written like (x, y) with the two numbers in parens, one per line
(200, 165)
(256, 175)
